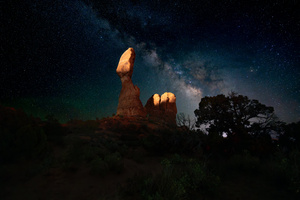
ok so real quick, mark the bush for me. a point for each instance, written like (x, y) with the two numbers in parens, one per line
(31, 141)
(114, 162)
(7, 149)
(167, 141)
(153, 144)
(284, 170)
(74, 153)
(138, 155)
(113, 146)
(94, 154)
(77, 153)
(245, 162)
(194, 175)
(55, 133)
(20, 136)
(180, 179)
(98, 167)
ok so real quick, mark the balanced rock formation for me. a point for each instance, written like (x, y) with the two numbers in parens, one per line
(162, 108)
(129, 99)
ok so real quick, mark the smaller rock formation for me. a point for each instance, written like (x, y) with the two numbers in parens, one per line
(153, 107)
(162, 108)
(168, 102)
(129, 99)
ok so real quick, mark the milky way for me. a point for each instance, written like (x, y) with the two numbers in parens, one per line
(59, 57)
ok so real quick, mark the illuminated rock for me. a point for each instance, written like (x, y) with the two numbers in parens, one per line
(153, 106)
(168, 102)
(129, 99)
(168, 107)
(125, 66)
(162, 108)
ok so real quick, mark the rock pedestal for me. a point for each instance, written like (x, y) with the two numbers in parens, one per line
(129, 99)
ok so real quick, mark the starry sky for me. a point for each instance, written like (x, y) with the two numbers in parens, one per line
(59, 56)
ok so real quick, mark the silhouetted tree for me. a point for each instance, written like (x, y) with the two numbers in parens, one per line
(186, 121)
(290, 137)
(234, 114)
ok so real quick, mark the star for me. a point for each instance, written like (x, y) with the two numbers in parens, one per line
(61, 57)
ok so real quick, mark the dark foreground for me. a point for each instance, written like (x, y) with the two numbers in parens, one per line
(109, 159)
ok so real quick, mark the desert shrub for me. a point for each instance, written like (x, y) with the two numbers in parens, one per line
(90, 153)
(13, 119)
(98, 167)
(7, 150)
(180, 142)
(114, 162)
(294, 172)
(284, 170)
(181, 178)
(138, 155)
(186, 142)
(244, 162)
(74, 152)
(173, 141)
(112, 146)
(55, 132)
(20, 135)
(130, 140)
(131, 129)
(154, 144)
(83, 151)
(31, 141)
(91, 124)
(77, 153)
(152, 188)
(194, 174)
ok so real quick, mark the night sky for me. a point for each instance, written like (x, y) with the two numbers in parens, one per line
(59, 57)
